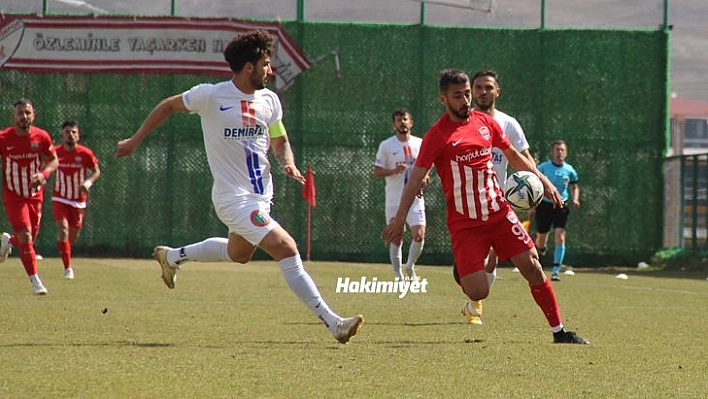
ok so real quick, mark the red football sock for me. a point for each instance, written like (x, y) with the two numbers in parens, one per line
(27, 255)
(546, 299)
(65, 252)
(13, 241)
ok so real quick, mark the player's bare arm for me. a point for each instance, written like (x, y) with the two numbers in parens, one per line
(575, 195)
(383, 172)
(527, 154)
(94, 175)
(155, 119)
(520, 162)
(426, 181)
(393, 232)
(284, 154)
(51, 162)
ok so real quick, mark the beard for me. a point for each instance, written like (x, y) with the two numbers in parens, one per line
(482, 106)
(24, 125)
(258, 81)
(462, 113)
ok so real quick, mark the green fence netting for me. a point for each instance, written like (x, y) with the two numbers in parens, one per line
(602, 91)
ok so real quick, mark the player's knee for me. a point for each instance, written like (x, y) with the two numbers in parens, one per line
(240, 259)
(475, 292)
(418, 232)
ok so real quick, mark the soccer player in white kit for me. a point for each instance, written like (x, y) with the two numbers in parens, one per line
(394, 160)
(241, 120)
(485, 91)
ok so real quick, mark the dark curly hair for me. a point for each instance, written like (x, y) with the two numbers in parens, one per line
(399, 111)
(248, 47)
(450, 77)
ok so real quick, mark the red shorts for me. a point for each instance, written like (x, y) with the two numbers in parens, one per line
(75, 216)
(503, 232)
(23, 214)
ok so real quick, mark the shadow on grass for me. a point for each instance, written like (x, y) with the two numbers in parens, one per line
(252, 344)
(405, 324)
(407, 344)
(96, 344)
(357, 340)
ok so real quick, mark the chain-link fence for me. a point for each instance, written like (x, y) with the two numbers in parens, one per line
(686, 201)
(594, 89)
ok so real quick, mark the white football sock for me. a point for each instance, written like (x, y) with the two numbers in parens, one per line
(395, 255)
(35, 279)
(414, 252)
(302, 285)
(210, 250)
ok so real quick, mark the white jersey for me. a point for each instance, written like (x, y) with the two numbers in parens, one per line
(236, 137)
(515, 134)
(393, 152)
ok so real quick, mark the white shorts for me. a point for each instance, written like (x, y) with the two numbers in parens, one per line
(251, 220)
(416, 215)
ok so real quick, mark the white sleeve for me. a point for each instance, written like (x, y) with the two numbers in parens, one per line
(516, 135)
(197, 98)
(381, 156)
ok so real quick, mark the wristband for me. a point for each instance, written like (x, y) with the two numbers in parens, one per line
(87, 184)
(45, 174)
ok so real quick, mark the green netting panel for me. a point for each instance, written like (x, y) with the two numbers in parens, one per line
(604, 92)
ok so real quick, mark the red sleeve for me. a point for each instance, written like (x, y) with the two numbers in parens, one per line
(91, 160)
(47, 145)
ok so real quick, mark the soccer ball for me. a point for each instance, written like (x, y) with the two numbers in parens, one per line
(523, 190)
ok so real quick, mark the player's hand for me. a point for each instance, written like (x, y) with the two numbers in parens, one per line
(576, 204)
(36, 180)
(393, 232)
(425, 183)
(86, 186)
(126, 147)
(551, 192)
(555, 196)
(293, 172)
(400, 168)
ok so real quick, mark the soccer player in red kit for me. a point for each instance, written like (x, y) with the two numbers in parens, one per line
(460, 144)
(78, 170)
(28, 158)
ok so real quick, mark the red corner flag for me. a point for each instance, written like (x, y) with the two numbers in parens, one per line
(310, 195)
(308, 190)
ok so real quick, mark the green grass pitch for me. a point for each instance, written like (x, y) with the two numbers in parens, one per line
(231, 330)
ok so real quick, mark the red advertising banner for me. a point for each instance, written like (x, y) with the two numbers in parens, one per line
(135, 45)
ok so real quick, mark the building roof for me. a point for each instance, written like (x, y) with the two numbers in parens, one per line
(688, 108)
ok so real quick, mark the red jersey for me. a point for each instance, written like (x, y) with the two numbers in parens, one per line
(71, 173)
(21, 158)
(461, 153)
